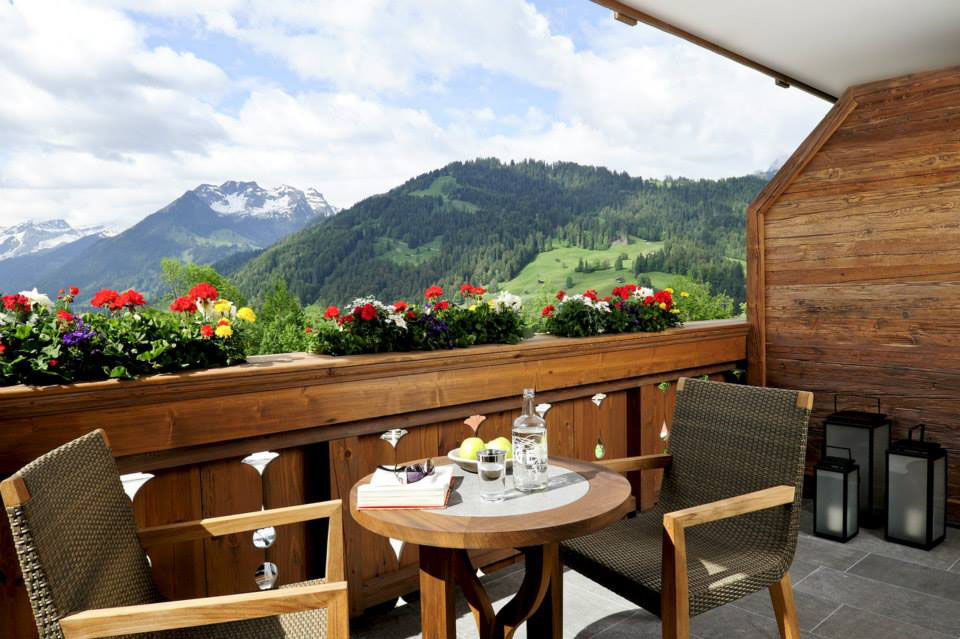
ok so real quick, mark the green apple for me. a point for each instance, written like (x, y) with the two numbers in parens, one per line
(470, 447)
(502, 443)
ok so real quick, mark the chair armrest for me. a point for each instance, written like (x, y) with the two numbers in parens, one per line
(732, 506)
(189, 613)
(643, 462)
(217, 526)
(674, 593)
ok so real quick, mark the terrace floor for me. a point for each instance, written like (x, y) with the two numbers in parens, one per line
(864, 589)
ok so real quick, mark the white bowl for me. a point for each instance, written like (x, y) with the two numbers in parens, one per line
(469, 465)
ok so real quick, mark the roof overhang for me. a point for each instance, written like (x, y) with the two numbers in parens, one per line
(819, 46)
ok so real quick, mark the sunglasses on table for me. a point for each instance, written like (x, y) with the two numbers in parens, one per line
(413, 473)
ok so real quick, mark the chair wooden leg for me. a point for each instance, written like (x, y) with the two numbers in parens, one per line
(674, 594)
(338, 617)
(781, 595)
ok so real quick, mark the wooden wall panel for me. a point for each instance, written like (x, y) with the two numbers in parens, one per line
(229, 487)
(173, 496)
(861, 262)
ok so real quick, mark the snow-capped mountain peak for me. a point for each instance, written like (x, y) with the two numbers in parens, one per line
(33, 236)
(250, 199)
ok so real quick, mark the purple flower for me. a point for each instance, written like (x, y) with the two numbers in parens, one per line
(82, 334)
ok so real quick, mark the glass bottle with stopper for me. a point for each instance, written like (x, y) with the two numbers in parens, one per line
(529, 447)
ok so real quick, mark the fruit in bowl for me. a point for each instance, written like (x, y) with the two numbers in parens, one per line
(466, 455)
(470, 447)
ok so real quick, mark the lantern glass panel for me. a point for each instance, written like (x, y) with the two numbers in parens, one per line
(939, 497)
(858, 441)
(907, 516)
(830, 504)
(852, 522)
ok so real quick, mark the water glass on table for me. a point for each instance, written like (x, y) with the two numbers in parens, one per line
(492, 474)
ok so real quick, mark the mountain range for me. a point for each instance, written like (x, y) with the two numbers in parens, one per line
(203, 225)
(482, 221)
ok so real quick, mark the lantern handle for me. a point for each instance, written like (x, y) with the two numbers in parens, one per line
(836, 395)
(923, 432)
(849, 453)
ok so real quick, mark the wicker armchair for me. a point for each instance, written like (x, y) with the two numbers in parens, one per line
(87, 574)
(727, 519)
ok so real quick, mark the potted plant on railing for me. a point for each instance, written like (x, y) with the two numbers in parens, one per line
(44, 342)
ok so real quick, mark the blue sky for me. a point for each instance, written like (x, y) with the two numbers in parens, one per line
(121, 105)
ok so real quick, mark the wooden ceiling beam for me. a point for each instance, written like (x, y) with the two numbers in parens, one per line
(626, 14)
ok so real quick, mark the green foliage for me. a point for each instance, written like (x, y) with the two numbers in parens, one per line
(281, 325)
(179, 277)
(701, 305)
(49, 345)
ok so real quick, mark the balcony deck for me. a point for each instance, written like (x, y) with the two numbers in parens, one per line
(865, 589)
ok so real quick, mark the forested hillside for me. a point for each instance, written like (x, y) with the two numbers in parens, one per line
(482, 221)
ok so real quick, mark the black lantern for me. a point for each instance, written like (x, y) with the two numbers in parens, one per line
(867, 435)
(916, 492)
(835, 514)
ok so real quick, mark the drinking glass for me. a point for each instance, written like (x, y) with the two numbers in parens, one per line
(492, 474)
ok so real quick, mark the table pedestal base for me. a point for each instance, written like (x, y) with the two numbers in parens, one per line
(539, 601)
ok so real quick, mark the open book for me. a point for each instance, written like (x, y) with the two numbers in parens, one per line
(388, 490)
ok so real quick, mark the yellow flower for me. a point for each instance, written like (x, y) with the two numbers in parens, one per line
(684, 294)
(222, 306)
(663, 306)
(246, 314)
(675, 311)
(490, 303)
(473, 307)
(669, 290)
(224, 331)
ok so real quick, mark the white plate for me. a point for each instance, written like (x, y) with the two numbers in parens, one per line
(469, 465)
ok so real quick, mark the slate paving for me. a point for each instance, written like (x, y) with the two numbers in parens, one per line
(865, 589)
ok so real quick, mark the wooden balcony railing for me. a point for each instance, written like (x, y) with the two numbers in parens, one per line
(324, 416)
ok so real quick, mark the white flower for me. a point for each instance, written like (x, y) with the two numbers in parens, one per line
(505, 301)
(36, 297)
(602, 306)
(363, 301)
(643, 292)
(397, 319)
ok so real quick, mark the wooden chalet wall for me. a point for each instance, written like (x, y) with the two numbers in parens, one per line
(854, 260)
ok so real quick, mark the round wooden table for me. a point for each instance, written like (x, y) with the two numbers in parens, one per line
(581, 498)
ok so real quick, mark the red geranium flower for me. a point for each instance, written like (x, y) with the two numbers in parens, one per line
(332, 312)
(206, 330)
(411, 315)
(623, 292)
(432, 292)
(607, 299)
(465, 289)
(561, 295)
(547, 310)
(663, 297)
(16, 302)
(441, 306)
(52, 362)
(203, 291)
(591, 295)
(106, 297)
(184, 305)
(347, 319)
(60, 292)
(65, 316)
(399, 306)
(3, 348)
(367, 312)
(477, 291)
(648, 299)
(308, 330)
(630, 288)
(131, 299)
(74, 290)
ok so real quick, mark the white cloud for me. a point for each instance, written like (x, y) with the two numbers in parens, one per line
(99, 124)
